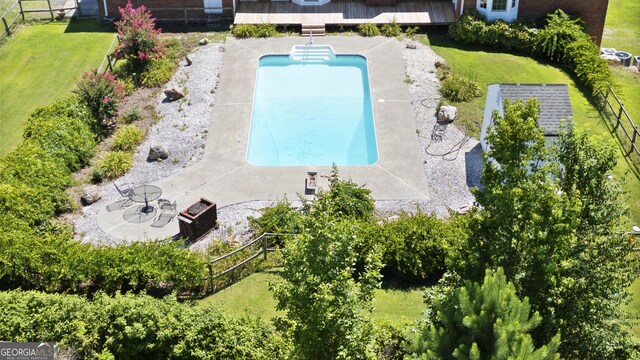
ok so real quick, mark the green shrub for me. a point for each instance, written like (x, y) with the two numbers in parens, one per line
(127, 137)
(67, 138)
(416, 247)
(40, 172)
(266, 30)
(391, 29)
(136, 327)
(131, 116)
(242, 31)
(588, 66)
(158, 72)
(101, 93)
(411, 31)
(459, 88)
(560, 31)
(345, 199)
(173, 48)
(368, 29)
(473, 28)
(281, 218)
(115, 164)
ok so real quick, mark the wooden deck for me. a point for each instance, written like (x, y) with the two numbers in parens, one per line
(345, 12)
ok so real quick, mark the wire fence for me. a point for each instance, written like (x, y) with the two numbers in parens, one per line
(109, 60)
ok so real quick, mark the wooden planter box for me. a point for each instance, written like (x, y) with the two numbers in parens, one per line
(198, 219)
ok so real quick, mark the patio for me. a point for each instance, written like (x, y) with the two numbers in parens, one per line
(224, 176)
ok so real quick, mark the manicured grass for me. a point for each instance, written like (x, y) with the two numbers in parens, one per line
(487, 67)
(622, 28)
(41, 63)
(252, 295)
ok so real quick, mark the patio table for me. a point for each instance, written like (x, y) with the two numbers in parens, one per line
(144, 194)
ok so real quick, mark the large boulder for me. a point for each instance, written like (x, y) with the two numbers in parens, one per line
(173, 94)
(157, 153)
(447, 113)
(90, 194)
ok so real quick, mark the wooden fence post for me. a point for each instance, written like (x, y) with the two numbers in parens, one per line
(6, 27)
(210, 277)
(21, 10)
(50, 9)
(264, 247)
(109, 63)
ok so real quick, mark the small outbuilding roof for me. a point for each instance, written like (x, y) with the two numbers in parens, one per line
(555, 104)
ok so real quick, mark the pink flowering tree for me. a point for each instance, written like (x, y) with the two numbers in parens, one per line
(139, 38)
(102, 94)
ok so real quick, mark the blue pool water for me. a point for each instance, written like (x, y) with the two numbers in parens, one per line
(312, 113)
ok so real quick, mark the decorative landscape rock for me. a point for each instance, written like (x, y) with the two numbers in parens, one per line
(90, 194)
(411, 45)
(157, 153)
(447, 113)
(203, 41)
(173, 94)
(189, 62)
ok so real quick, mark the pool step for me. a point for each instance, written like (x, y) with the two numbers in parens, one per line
(313, 29)
(312, 53)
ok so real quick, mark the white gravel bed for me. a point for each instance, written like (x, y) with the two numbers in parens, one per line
(449, 177)
(183, 130)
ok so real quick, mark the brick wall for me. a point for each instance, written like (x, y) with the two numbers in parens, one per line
(592, 12)
(112, 7)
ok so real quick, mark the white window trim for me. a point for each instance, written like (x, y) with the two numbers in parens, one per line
(510, 14)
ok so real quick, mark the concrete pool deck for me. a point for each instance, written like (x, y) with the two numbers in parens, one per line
(224, 176)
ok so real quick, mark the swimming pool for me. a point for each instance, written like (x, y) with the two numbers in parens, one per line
(312, 113)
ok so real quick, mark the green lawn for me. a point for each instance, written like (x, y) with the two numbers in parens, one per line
(252, 295)
(622, 27)
(41, 63)
(487, 67)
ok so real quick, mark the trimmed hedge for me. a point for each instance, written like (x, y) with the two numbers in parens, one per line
(562, 39)
(135, 327)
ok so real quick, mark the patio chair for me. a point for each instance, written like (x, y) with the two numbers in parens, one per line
(167, 213)
(125, 198)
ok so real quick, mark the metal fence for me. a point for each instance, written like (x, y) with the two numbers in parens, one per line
(109, 61)
(625, 129)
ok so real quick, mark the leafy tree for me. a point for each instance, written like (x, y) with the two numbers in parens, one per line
(323, 294)
(139, 39)
(550, 220)
(484, 321)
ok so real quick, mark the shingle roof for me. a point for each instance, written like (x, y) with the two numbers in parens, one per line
(555, 104)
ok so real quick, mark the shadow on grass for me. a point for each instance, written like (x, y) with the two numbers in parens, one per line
(88, 25)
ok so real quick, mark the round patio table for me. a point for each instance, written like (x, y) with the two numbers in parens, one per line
(144, 194)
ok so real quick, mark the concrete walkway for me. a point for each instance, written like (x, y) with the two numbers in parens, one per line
(224, 176)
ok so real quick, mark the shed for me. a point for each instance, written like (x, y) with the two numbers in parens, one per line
(555, 105)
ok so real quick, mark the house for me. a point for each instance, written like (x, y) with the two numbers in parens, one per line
(555, 105)
(592, 12)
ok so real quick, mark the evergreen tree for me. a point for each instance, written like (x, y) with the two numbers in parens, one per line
(487, 321)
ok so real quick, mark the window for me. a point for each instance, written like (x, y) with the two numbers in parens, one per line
(513, 3)
(483, 4)
(499, 5)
